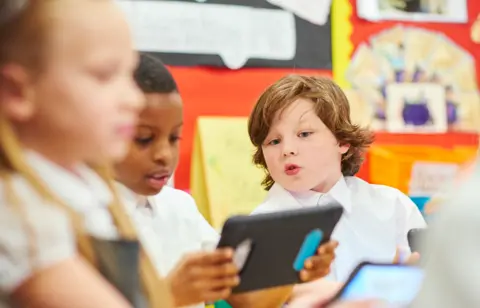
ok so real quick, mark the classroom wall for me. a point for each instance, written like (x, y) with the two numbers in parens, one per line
(225, 92)
(218, 91)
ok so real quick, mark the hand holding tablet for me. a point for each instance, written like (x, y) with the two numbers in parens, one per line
(281, 248)
(394, 284)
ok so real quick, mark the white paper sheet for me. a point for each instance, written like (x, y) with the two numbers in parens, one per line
(451, 11)
(314, 11)
(236, 33)
(428, 178)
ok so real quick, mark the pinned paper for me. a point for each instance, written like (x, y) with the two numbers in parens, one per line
(475, 31)
(454, 11)
(235, 33)
(224, 181)
(428, 178)
(314, 11)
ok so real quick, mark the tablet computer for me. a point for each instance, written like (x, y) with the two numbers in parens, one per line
(270, 249)
(395, 284)
(416, 239)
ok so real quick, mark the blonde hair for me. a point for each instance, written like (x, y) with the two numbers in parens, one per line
(331, 106)
(17, 28)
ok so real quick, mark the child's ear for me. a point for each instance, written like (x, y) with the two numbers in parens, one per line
(343, 148)
(16, 93)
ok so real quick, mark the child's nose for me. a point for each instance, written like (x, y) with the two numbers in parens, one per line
(289, 153)
(289, 149)
(162, 154)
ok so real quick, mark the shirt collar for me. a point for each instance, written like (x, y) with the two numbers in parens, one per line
(135, 201)
(278, 196)
(82, 190)
(342, 194)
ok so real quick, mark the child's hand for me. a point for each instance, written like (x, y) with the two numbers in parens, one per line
(318, 266)
(401, 257)
(203, 277)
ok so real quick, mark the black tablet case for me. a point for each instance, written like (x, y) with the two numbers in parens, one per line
(417, 242)
(277, 238)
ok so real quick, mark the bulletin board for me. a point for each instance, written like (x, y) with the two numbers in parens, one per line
(443, 53)
(231, 34)
(207, 85)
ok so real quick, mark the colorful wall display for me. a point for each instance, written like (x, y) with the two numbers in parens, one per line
(209, 85)
(219, 91)
(407, 77)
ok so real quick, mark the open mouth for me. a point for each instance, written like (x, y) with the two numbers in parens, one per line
(157, 181)
(291, 169)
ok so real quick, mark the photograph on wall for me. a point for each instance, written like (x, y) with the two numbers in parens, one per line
(416, 108)
(420, 58)
(454, 11)
(234, 33)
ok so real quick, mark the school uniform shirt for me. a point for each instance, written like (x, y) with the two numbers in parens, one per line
(375, 221)
(53, 237)
(171, 226)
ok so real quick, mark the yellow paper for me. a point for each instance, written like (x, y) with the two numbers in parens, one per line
(197, 179)
(342, 47)
(475, 31)
(224, 179)
(361, 112)
(447, 55)
(470, 110)
(388, 39)
(462, 76)
(419, 45)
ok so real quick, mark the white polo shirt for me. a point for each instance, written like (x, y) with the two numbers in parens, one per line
(376, 220)
(171, 227)
(54, 237)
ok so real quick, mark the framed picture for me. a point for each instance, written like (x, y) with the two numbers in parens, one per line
(413, 107)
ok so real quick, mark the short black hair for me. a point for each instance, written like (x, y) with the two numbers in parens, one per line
(152, 76)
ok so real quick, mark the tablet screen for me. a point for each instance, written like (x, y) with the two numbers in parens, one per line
(396, 285)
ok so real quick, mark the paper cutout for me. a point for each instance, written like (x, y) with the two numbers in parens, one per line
(361, 112)
(429, 177)
(416, 108)
(316, 11)
(224, 179)
(453, 11)
(413, 57)
(235, 33)
(342, 46)
(419, 45)
(475, 31)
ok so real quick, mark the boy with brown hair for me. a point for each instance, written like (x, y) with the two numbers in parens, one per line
(311, 151)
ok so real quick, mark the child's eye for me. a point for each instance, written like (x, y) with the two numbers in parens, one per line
(274, 142)
(304, 134)
(175, 138)
(143, 141)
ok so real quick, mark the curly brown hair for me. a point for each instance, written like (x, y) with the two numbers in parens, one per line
(331, 106)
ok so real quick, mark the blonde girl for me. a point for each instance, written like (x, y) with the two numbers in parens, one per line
(67, 101)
